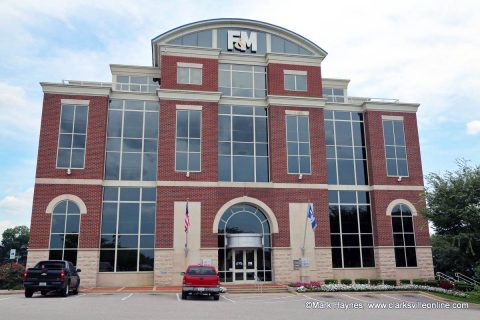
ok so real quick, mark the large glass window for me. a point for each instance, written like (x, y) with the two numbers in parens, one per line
(345, 143)
(236, 80)
(188, 140)
(64, 232)
(189, 74)
(351, 229)
(281, 45)
(128, 229)
(195, 39)
(395, 149)
(242, 144)
(334, 95)
(403, 236)
(295, 82)
(72, 138)
(136, 83)
(132, 138)
(298, 144)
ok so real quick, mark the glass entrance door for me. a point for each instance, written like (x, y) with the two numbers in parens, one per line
(245, 265)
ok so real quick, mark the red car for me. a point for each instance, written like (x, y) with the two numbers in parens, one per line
(201, 280)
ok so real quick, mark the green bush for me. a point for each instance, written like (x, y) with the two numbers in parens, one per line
(419, 282)
(346, 281)
(361, 281)
(463, 286)
(390, 282)
(331, 281)
(405, 281)
(376, 282)
(432, 283)
(11, 277)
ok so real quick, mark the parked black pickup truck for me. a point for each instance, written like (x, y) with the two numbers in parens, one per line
(52, 275)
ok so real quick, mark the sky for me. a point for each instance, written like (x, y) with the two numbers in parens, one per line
(416, 51)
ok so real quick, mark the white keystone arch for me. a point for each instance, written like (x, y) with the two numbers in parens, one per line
(404, 202)
(79, 202)
(259, 204)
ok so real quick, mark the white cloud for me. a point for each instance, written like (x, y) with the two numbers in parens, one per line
(5, 224)
(17, 206)
(473, 127)
(19, 116)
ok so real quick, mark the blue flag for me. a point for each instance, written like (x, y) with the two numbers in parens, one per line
(311, 217)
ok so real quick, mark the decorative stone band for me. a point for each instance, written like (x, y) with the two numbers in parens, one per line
(219, 184)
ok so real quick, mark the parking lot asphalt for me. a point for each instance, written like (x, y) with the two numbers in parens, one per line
(100, 306)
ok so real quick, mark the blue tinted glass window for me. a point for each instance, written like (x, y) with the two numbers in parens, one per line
(395, 148)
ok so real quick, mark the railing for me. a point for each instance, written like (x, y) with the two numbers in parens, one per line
(441, 275)
(87, 83)
(462, 277)
(358, 100)
(135, 87)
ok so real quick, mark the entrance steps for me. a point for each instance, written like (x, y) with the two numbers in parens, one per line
(256, 288)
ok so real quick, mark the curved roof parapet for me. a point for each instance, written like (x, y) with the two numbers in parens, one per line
(194, 34)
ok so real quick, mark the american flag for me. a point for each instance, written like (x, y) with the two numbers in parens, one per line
(187, 218)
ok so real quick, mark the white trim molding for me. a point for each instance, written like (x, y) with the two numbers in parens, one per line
(404, 202)
(71, 197)
(189, 65)
(295, 72)
(93, 182)
(297, 112)
(74, 89)
(386, 117)
(75, 101)
(189, 107)
(295, 101)
(261, 205)
(189, 95)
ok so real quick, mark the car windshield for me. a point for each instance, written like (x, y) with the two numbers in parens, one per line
(50, 265)
(201, 271)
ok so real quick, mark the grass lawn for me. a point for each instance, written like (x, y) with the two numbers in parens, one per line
(472, 297)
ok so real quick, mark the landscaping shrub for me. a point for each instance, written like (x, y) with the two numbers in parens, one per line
(445, 284)
(419, 282)
(314, 284)
(432, 283)
(11, 277)
(346, 281)
(405, 281)
(361, 281)
(463, 286)
(390, 282)
(376, 282)
(298, 284)
(331, 281)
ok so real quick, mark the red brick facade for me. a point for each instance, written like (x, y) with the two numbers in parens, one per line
(276, 85)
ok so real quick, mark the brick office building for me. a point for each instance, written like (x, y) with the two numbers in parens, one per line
(234, 118)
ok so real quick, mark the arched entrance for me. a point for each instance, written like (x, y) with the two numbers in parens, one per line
(245, 245)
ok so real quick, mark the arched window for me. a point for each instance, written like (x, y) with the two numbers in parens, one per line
(244, 263)
(64, 231)
(403, 236)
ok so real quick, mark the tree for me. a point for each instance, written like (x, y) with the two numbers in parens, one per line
(453, 207)
(16, 238)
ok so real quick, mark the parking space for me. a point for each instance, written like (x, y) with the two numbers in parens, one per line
(154, 305)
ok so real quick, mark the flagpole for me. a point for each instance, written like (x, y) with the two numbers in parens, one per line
(186, 235)
(305, 231)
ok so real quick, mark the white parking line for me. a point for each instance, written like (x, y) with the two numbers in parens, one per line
(346, 295)
(228, 299)
(125, 298)
(178, 297)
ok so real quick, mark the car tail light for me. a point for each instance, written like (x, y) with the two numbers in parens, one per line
(25, 274)
(62, 275)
